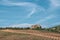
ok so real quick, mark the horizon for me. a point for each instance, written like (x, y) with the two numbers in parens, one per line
(24, 13)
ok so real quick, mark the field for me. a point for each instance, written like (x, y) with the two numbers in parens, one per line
(28, 35)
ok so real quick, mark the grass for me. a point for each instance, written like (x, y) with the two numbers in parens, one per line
(17, 36)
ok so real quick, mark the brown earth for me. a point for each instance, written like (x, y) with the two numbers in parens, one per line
(36, 33)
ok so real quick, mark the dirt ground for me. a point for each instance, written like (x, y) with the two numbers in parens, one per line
(28, 35)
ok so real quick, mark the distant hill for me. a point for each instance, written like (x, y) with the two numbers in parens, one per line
(55, 29)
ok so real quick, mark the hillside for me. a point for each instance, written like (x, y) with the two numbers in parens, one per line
(55, 29)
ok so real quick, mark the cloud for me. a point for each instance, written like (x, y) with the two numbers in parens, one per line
(50, 25)
(37, 9)
(34, 7)
(21, 25)
(32, 12)
(11, 3)
(45, 19)
(53, 5)
(55, 2)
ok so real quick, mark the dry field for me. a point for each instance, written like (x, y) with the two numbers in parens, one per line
(28, 35)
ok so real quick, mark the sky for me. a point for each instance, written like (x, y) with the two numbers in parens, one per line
(24, 13)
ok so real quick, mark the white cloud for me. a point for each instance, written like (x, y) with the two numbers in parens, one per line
(11, 3)
(34, 7)
(45, 19)
(55, 2)
(53, 5)
(21, 25)
(32, 12)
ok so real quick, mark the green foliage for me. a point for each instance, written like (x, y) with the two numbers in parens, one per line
(14, 28)
(27, 28)
(54, 29)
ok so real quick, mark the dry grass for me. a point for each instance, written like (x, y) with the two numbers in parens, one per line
(20, 36)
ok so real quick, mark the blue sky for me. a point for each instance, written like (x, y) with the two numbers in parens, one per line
(23, 13)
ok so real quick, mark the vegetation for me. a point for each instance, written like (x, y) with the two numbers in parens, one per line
(15, 28)
(35, 27)
(21, 36)
(52, 29)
